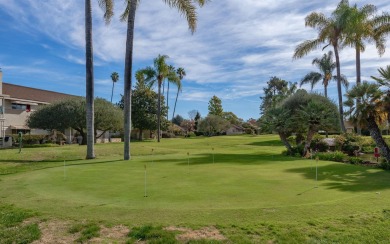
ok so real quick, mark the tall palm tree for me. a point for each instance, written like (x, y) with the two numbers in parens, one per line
(185, 7)
(114, 78)
(107, 6)
(330, 34)
(361, 24)
(180, 73)
(157, 74)
(326, 65)
(172, 78)
(370, 112)
(384, 80)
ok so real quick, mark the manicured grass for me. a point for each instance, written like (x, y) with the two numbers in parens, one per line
(250, 192)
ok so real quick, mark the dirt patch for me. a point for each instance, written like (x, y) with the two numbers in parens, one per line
(116, 234)
(207, 233)
(55, 231)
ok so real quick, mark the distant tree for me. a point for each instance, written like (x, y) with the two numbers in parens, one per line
(71, 114)
(177, 120)
(326, 67)
(192, 114)
(215, 106)
(174, 79)
(213, 125)
(232, 118)
(188, 125)
(197, 119)
(276, 90)
(157, 74)
(180, 73)
(144, 109)
(114, 78)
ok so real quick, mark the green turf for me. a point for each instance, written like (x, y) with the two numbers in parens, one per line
(249, 185)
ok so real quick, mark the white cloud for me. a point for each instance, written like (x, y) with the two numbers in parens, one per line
(238, 44)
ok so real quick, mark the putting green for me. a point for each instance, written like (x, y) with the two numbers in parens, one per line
(248, 181)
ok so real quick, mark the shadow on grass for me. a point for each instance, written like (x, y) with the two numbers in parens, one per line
(266, 143)
(239, 159)
(42, 165)
(345, 177)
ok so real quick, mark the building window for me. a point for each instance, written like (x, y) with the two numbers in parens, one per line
(18, 106)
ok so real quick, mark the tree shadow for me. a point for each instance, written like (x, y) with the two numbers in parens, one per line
(266, 143)
(238, 159)
(48, 165)
(346, 177)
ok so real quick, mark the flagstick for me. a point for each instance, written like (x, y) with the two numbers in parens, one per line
(145, 194)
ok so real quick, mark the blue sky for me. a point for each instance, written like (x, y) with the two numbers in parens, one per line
(238, 46)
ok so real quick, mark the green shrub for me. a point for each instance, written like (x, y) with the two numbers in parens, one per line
(168, 135)
(295, 151)
(355, 160)
(29, 139)
(336, 156)
(384, 164)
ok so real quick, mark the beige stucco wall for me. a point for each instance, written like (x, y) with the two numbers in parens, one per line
(14, 117)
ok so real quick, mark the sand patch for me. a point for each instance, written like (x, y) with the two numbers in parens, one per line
(207, 233)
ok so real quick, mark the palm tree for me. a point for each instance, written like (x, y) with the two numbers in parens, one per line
(361, 25)
(107, 6)
(180, 73)
(384, 80)
(370, 112)
(114, 78)
(329, 33)
(326, 66)
(172, 78)
(185, 7)
(158, 73)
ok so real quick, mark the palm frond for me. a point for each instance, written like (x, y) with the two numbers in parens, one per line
(306, 47)
(108, 8)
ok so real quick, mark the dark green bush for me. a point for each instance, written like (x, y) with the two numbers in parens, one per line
(168, 135)
(29, 139)
(336, 156)
(355, 160)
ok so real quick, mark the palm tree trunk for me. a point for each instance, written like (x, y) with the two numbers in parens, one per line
(340, 95)
(159, 112)
(358, 82)
(174, 108)
(167, 100)
(127, 79)
(89, 80)
(112, 91)
(376, 135)
(283, 138)
(326, 91)
(309, 138)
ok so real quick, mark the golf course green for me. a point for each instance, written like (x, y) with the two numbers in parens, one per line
(238, 183)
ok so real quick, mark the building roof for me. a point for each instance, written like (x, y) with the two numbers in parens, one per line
(33, 94)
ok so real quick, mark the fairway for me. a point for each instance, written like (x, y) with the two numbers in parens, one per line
(249, 182)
